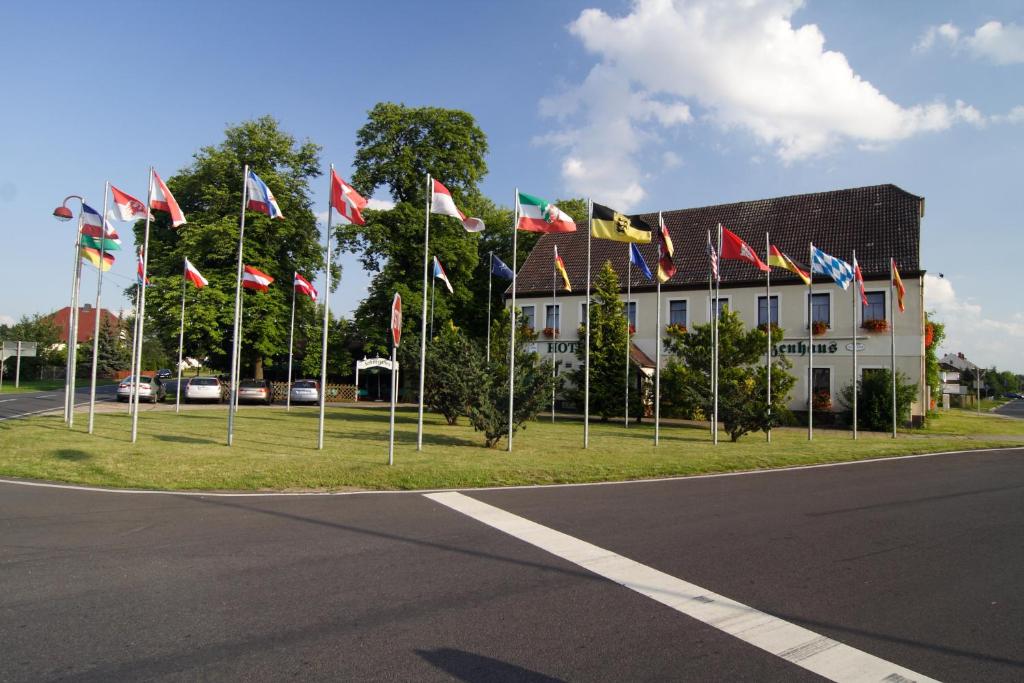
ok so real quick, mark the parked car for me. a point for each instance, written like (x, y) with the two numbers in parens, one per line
(305, 391)
(150, 389)
(203, 389)
(255, 390)
(164, 373)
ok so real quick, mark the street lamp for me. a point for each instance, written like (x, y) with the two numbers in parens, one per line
(63, 214)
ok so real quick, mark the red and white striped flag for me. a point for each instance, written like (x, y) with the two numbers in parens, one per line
(253, 278)
(303, 286)
(346, 200)
(194, 276)
(441, 202)
(163, 200)
(127, 207)
(139, 270)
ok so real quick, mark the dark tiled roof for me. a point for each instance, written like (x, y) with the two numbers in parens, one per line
(877, 221)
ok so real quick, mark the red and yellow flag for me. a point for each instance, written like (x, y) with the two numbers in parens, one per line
(560, 265)
(901, 291)
(779, 260)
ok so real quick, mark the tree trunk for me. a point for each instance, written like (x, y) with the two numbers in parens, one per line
(258, 368)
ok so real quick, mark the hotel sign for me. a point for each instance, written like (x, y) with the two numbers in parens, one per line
(824, 348)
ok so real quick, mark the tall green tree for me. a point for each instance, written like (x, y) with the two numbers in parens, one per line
(742, 376)
(454, 373)
(209, 192)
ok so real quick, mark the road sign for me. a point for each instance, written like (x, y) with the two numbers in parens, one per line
(10, 349)
(396, 318)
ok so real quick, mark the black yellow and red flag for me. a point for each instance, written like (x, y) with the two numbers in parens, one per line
(608, 224)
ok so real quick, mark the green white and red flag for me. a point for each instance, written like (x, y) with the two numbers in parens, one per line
(539, 215)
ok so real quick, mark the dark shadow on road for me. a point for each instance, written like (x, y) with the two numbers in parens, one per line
(466, 666)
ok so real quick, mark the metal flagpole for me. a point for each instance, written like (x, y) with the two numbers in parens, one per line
(76, 272)
(433, 286)
(711, 315)
(657, 349)
(586, 355)
(96, 326)
(892, 345)
(137, 371)
(629, 296)
(768, 329)
(810, 343)
(233, 380)
(135, 342)
(238, 359)
(490, 276)
(327, 314)
(423, 317)
(977, 385)
(291, 346)
(853, 335)
(556, 321)
(718, 309)
(394, 400)
(73, 336)
(181, 340)
(512, 333)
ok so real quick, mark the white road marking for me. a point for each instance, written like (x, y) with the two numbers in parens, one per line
(8, 400)
(795, 644)
(277, 494)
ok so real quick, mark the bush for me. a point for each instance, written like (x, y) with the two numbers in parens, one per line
(874, 399)
(454, 369)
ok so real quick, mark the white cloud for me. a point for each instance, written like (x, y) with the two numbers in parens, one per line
(670, 159)
(380, 204)
(6, 319)
(988, 341)
(743, 63)
(1015, 115)
(995, 41)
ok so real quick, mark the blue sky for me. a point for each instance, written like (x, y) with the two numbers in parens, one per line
(715, 104)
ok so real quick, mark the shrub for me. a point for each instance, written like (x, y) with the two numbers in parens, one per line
(874, 399)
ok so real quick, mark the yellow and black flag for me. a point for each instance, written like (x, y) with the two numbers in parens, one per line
(609, 224)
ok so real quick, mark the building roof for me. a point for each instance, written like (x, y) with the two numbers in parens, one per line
(957, 361)
(878, 221)
(86, 322)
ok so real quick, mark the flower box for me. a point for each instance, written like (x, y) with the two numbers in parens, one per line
(822, 401)
(676, 328)
(764, 327)
(819, 328)
(875, 325)
(550, 332)
(632, 330)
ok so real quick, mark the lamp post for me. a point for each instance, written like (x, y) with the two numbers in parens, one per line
(63, 214)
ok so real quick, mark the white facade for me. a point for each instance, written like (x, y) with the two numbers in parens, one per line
(833, 350)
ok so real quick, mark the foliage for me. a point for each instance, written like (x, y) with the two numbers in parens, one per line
(112, 354)
(209, 192)
(743, 376)
(49, 352)
(454, 369)
(608, 344)
(874, 399)
(932, 373)
(997, 383)
(488, 413)
(342, 341)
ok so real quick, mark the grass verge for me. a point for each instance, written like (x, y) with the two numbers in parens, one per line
(275, 450)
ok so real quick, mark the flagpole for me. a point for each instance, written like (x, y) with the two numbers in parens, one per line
(327, 317)
(73, 334)
(810, 344)
(76, 271)
(142, 307)
(555, 317)
(853, 334)
(892, 343)
(423, 318)
(629, 296)
(433, 286)
(181, 341)
(512, 333)
(135, 340)
(490, 276)
(768, 316)
(232, 386)
(657, 342)
(99, 287)
(711, 315)
(238, 361)
(717, 312)
(291, 346)
(586, 355)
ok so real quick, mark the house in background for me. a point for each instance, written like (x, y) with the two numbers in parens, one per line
(960, 381)
(86, 322)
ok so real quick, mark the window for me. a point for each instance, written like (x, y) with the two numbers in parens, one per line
(552, 316)
(583, 313)
(631, 313)
(721, 304)
(820, 308)
(677, 312)
(822, 381)
(529, 317)
(875, 308)
(762, 310)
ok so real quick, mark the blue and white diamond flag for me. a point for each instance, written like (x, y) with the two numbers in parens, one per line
(837, 269)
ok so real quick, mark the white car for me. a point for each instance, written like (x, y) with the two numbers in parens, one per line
(203, 389)
(305, 391)
(149, 388)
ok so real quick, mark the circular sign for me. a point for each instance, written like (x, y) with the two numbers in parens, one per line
(396, 318)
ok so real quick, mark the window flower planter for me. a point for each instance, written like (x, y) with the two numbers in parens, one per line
(822, 401)
(676, 328)
(764, 327)
(632, 330)
(876, 325)
(819, 328)
(550, 332)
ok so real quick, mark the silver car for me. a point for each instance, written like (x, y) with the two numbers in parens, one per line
(150, 389)
(305, 391)
(203, 389)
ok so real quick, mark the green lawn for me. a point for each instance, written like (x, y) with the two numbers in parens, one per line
(275, 450)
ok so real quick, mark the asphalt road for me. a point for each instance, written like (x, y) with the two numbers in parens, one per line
(33, 403)
(1011, 409)
(917, 561)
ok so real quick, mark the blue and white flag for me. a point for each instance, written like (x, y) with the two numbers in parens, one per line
(499, 268)
(837, 269)
(637, 259)
(260, 197)
(441, 275)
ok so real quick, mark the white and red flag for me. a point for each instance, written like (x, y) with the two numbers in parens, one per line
(139, 270)
(194, 276)
(163, 200)
(253, 278)
(735, 248)
(346, 200)
(127, 207)
(303, 286)
(441, 275)
(260, 197)
(441, 202)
